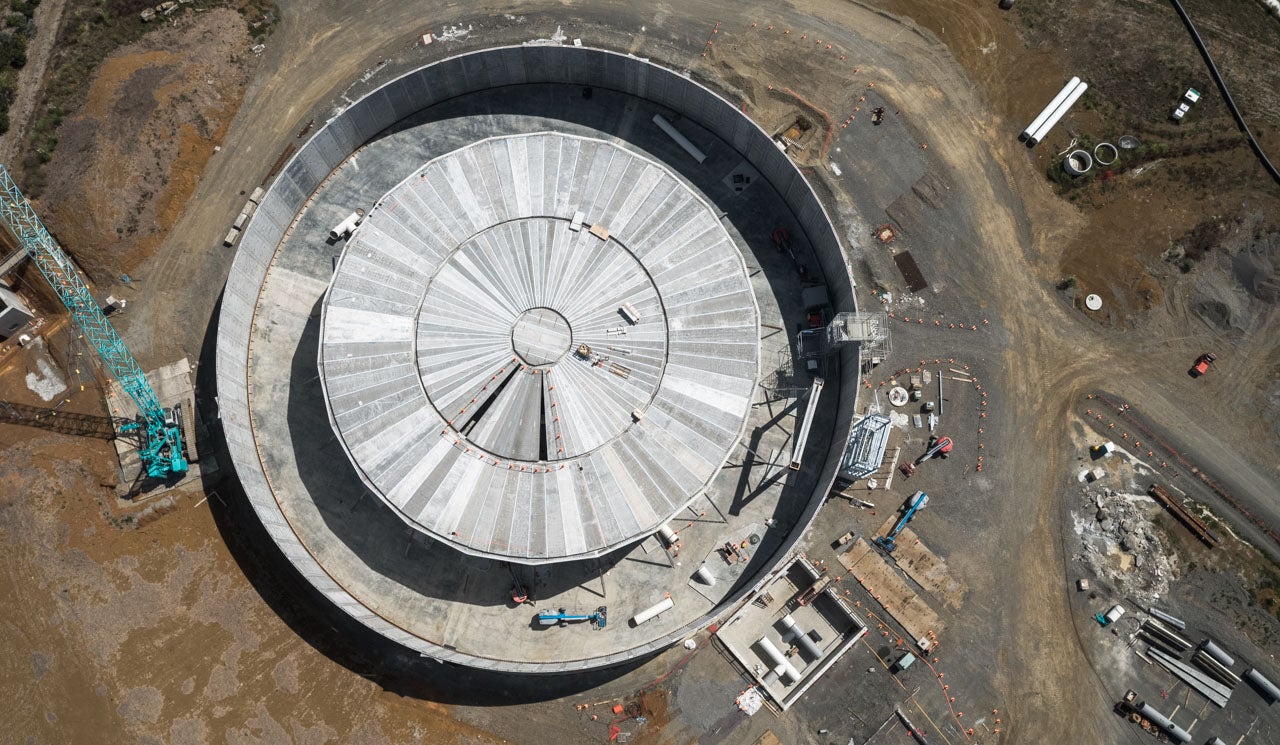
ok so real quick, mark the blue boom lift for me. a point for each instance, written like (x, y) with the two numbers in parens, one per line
(161, 447)
(918, 502)
(563, 618)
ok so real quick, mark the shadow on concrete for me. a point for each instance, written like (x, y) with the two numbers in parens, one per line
(330, 631)
(363, 522)
(743, 493)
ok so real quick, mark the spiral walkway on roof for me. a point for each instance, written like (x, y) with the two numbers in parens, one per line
(539, 347)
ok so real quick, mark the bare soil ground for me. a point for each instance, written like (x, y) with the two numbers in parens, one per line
(129, 160)
(151, 633)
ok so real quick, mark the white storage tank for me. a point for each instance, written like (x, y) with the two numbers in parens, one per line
(653, 611)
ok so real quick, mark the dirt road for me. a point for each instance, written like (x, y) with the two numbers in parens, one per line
(157, 628)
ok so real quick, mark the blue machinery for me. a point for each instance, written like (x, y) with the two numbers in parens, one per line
(161, 449)
(562, 618)
(918, 502)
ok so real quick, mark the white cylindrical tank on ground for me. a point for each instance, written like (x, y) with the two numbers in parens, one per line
(653, 611)
(1044, 114)
(1267, 688)
(704, 576)
(1176, 733)
(781, 666)
(667, 534)
(1057, 114)
(801, 638)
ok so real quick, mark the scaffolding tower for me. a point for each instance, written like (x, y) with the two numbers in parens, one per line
(869, 330)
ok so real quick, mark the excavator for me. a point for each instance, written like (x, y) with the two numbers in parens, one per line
(917, 502)
(937, 447)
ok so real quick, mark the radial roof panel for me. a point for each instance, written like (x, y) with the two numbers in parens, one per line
(525, 387)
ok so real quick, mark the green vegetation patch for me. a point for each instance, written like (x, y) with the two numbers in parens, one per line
(91, 31)
(18, 27)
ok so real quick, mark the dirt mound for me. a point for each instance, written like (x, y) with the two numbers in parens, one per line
(127, 162)
(1255, 268)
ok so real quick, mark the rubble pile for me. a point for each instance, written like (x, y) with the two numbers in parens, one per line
(1119, 543)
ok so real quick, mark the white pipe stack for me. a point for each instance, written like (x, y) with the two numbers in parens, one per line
(1057, 114)
(1057, 100)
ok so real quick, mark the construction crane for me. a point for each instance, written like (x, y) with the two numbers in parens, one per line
(918, 502)
(161, 447)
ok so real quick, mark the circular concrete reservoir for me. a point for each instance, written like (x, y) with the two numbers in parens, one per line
(538, 351)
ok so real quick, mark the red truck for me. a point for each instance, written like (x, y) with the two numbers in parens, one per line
(1202, 364)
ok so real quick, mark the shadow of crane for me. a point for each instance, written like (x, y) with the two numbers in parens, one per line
(64, 422)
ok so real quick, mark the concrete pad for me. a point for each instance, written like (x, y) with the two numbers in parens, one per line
(891, 591)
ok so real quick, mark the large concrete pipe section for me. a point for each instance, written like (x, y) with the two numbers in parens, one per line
(1048, 110)
(783, 667)
(653, 611)
(1104, 154)
(1264, 686)
(1077, 162)
(1216, 652)
(1176, 733)
(801, 638)
(1173, 621)
(1057, 114)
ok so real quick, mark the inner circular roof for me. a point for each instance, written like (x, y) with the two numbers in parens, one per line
(540, 337)
(539, 347)
(496, 328)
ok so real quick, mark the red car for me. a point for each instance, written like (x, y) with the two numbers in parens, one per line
(1202, 364)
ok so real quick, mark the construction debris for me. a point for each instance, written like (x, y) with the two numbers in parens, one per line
(1119, 544)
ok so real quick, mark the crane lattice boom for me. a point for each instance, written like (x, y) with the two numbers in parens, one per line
(161, 454)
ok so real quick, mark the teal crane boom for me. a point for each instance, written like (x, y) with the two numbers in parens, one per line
(161, 451)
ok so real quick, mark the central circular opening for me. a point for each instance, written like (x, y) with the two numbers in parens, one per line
(540, 336)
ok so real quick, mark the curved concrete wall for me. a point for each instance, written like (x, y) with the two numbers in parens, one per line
(430, 85)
